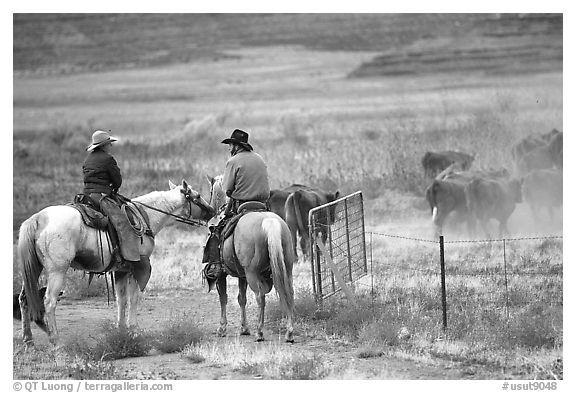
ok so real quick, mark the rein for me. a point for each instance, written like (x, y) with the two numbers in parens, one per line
(185, 220)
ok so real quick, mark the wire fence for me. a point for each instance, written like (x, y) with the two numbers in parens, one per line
(483, 285)
(496, 275)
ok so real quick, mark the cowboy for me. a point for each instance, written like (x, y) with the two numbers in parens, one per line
(246, 173)
(102, 180)
(245, 179)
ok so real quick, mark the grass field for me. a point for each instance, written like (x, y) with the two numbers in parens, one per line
(347, 102)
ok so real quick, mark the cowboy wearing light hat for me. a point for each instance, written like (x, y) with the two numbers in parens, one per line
(102, 179)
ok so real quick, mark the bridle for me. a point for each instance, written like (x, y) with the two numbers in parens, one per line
(191, 200)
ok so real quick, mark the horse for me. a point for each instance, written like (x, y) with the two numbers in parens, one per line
(262, 243)
(55, 239)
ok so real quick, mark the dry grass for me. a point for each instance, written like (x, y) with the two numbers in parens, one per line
(269, 360)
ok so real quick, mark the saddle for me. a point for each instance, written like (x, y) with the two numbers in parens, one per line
(90, 216)
(94, 218)
(216, 265)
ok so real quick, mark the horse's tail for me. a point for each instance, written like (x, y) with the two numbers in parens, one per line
(30, 266)
(281, 266)
(302, 226)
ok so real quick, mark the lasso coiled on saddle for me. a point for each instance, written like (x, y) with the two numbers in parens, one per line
(135, 219)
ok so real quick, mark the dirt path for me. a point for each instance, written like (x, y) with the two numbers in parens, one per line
(82, 316)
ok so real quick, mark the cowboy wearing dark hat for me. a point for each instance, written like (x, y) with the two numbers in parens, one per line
(102, 180)
(245, 180)
(246, 173)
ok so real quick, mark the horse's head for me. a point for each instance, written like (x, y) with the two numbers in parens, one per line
(193, 202)
(218, 198)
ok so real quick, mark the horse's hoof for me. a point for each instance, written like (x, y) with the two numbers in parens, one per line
(290, 340)
(260, 337)
(244, 332)
(28, 345)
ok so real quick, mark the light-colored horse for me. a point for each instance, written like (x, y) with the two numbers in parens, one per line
(263, 246)
(56, 239)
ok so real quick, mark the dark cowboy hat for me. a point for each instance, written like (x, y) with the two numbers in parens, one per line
(239, 137)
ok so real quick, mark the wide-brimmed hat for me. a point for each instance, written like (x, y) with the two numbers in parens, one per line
(239, 137)
(100, 138)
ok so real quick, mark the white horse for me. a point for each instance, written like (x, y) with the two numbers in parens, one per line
(56, 239)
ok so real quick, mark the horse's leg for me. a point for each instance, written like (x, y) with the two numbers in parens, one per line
(221, 286)
(26, 328)
(260, 289)
(261, 300)
(121, 283)
(132, 301)
(55, 285)
(242, 285)
(294, 234)
(304, 244)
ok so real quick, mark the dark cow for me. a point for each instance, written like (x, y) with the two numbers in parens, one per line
(556, 150)
(542, 189)
(493, 198)
(277, 200)
(435, 162)
(536, 152)
(298, 205)
(447, 195)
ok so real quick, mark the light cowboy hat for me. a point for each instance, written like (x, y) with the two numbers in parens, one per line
(239, 137)
(100, 138)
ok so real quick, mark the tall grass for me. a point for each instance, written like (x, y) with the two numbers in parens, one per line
(381, 157)
(487, 325)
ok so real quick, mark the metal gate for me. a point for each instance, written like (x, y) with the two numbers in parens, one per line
(341, 260)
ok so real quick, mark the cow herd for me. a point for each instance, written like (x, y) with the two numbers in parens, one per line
(458, 192)
(474, 196)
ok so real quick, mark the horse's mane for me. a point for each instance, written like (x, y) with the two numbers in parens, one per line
(157, 198)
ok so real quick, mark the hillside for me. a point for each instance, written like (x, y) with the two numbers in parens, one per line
(410, 43)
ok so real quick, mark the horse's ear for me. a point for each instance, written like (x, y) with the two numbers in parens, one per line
(210, 179)
(184, 184)
(336, 195)
(172, 185)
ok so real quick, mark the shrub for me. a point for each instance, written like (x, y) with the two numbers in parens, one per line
(302, 367)
(193, 354)
(179, 333)
(537, 326)
(72, 361)
(121, 343)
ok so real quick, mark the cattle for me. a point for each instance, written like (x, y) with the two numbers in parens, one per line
(298, 205)
(535, 152)
(542, 189)
(447, 196)
(493, 198)
(556, 149)
(277, 200)
(435, 162)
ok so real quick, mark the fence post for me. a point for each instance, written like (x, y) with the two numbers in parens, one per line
(371, 274)
(443, 284)
(348, 241)
(506, 280)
